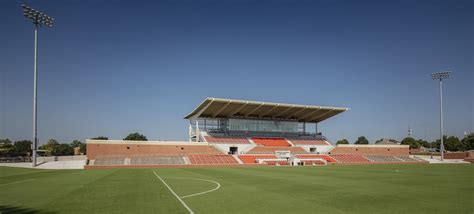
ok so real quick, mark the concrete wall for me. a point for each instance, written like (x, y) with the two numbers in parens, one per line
(242, 148)
(459, 155)
(393, 150)
(60, 158)
(271, 150)
(319, 148)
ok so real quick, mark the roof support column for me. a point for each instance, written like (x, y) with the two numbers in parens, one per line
(190, 131)
(316, 128)
(197, 130)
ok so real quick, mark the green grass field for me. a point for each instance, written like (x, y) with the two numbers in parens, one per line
(330, 189)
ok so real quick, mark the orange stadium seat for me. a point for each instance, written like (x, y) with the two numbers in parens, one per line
(212, 159)
(251, 159)
(273, 163)
(280, 142)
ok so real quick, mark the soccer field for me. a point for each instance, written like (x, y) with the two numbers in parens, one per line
(331, 189)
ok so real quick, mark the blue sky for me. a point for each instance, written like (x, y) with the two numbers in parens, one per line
(115, 67)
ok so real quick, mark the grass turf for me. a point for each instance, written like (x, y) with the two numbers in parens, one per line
(330, 189)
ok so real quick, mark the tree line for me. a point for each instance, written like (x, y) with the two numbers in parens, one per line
(132, 136)
(451, 143)
(53, 147)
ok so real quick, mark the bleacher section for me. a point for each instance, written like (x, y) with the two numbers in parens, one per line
(350, 158)
(212, 159)
(313, 162)
(302, 141)
(271, 150)
(325, 157)
(382, 158)
(409, 159)
(277, 163)
(226, 140)
(280, 142)
(156, 160)
(109, 161)
(252, 159)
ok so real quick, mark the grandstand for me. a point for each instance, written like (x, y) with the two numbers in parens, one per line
(238, 133)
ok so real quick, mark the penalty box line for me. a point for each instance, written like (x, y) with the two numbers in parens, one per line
(175, 195)
(17, 182)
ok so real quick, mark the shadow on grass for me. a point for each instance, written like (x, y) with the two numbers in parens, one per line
(15, 209)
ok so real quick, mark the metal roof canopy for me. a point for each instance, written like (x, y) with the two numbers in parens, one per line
(230, 108)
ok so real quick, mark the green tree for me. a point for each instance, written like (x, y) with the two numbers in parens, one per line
(100, 138)
(362, 140)
(411, 142)
(343, 141)
(23, 147)
(423, 143)
(6, 148)
(76, 143)
(62, 149)
(83, 149)
(50, 146)
(81, 145)
(437, 143)
(452, 144)
(136, 136)
(467, 142)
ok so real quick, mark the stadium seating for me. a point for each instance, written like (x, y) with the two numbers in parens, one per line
(271, 150)
(252, 159)
(109, 161)
(313, 162)
(325, 157)
(281, 142)
(226, 140)
(382, 158)
(408, 159)
(212, 159)
(300, 141)
(152, 160)
(350, 158)
(274, 163)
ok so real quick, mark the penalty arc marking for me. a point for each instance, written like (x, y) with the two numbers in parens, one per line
(175, 195)
(218, 185)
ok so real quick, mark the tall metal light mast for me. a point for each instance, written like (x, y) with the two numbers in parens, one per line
(39, 19)
(440, 76)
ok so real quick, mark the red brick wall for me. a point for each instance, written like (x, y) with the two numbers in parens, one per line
(371, 151)
(456, 155)
(94, 150)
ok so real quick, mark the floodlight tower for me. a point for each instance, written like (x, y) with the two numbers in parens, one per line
(39, 19)
(440, 76)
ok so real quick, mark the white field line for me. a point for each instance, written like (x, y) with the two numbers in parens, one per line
(175, 195)
(17, 182)
(200, 193)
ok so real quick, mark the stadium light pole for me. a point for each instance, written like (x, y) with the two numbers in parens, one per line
(39, 19)
(440, 76)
